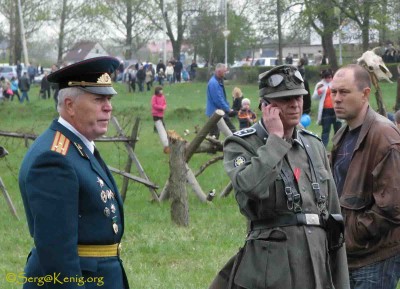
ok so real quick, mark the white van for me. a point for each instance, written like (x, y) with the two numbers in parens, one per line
(265, 61)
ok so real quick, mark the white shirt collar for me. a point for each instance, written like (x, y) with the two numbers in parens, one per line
(89, 144)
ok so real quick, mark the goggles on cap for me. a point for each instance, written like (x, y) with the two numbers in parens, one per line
(276, 79)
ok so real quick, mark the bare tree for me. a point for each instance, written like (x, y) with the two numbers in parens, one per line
(35, 13)
(321, 17)
(129, 27)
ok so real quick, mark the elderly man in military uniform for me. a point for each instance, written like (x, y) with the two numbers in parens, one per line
(285, 189)
(73, 207)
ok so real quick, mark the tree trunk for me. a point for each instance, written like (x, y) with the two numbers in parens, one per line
(177, 181)
(61, 34)
(329, 50)
(128, 43)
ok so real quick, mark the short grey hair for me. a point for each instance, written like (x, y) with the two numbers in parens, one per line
(71, 92)
(220, 66)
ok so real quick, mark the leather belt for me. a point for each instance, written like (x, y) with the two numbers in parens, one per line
(99, 250)
(286, 220)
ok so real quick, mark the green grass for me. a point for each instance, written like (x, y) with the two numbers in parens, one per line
(156, 253)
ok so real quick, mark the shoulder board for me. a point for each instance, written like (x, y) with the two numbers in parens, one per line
(309, 133)
(60, 143)
(245, 132)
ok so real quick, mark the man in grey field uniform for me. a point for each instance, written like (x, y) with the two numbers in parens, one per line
(284, 187)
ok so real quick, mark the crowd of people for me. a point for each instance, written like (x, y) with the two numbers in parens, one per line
(143, 75)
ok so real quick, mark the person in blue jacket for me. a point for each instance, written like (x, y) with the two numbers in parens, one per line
(72, 204)
(216, 99)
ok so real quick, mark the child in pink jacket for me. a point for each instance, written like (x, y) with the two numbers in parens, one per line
(158, 105)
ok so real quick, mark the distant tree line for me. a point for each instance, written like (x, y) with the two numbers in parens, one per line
(130, 24)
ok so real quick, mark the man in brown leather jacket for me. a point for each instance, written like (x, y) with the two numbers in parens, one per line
(365, 162)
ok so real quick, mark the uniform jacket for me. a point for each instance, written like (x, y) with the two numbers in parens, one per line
(291, 257)
(370, 198)
(65, 193)
(216, 96)
(158, 105)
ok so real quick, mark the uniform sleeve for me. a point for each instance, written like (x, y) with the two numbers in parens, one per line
(53, 195)
(252, 170)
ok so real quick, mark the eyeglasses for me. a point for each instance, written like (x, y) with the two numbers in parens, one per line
(276, 79)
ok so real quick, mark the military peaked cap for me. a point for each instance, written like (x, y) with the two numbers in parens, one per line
(92, 75)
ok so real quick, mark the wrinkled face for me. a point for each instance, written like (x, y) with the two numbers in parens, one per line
(90, 114)
(348, 99)
(291, 109)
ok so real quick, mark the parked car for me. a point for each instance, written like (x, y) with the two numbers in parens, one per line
(8, 71)
(265, 61)
(38, 78)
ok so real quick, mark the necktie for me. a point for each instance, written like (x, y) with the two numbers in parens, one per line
(99, 159)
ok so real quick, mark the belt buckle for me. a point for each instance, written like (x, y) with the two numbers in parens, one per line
(119, 249)
(312, 219)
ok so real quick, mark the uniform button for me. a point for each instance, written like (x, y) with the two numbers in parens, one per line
(79, 216)
(309, 231)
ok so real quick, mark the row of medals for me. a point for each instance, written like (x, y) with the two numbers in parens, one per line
(105, 196)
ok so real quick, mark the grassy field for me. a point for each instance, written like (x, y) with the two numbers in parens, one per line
(156, 253)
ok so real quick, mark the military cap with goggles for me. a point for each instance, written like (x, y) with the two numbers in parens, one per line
(92, 75)
(281, 81)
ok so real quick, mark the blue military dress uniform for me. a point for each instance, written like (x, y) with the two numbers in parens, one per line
(70, 201)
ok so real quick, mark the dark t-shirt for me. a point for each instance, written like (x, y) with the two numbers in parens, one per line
(343, 157)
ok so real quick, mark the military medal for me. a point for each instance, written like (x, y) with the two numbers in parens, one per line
(113, 209)
(107, 212)
(103, 196)
(101, 182)
(115, 226)
(110, 194)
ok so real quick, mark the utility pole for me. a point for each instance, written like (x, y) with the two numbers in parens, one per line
(23, 40)
(164, 33)
(226, 32)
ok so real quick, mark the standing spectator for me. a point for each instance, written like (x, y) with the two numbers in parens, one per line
(149, 77)
(160, 65)
(73, 208)
(245, 115)
(54, 86)
(141, 77)
(318, 58)
(14, 88)
(365, 165)
(289, 59)
(158, 105)
(169, 72)
(178, 70)
(305, 58)
(237, 97)
(45, 88)
(326, 113)
(284, 187)
(6, 86)
(24, 85)
(216, 99)
(307, 97)
(193, 68)
(161, 76)
(132, 78)
(31, 73)
(19, 69)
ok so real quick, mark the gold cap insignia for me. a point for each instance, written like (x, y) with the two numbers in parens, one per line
(103, 80)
